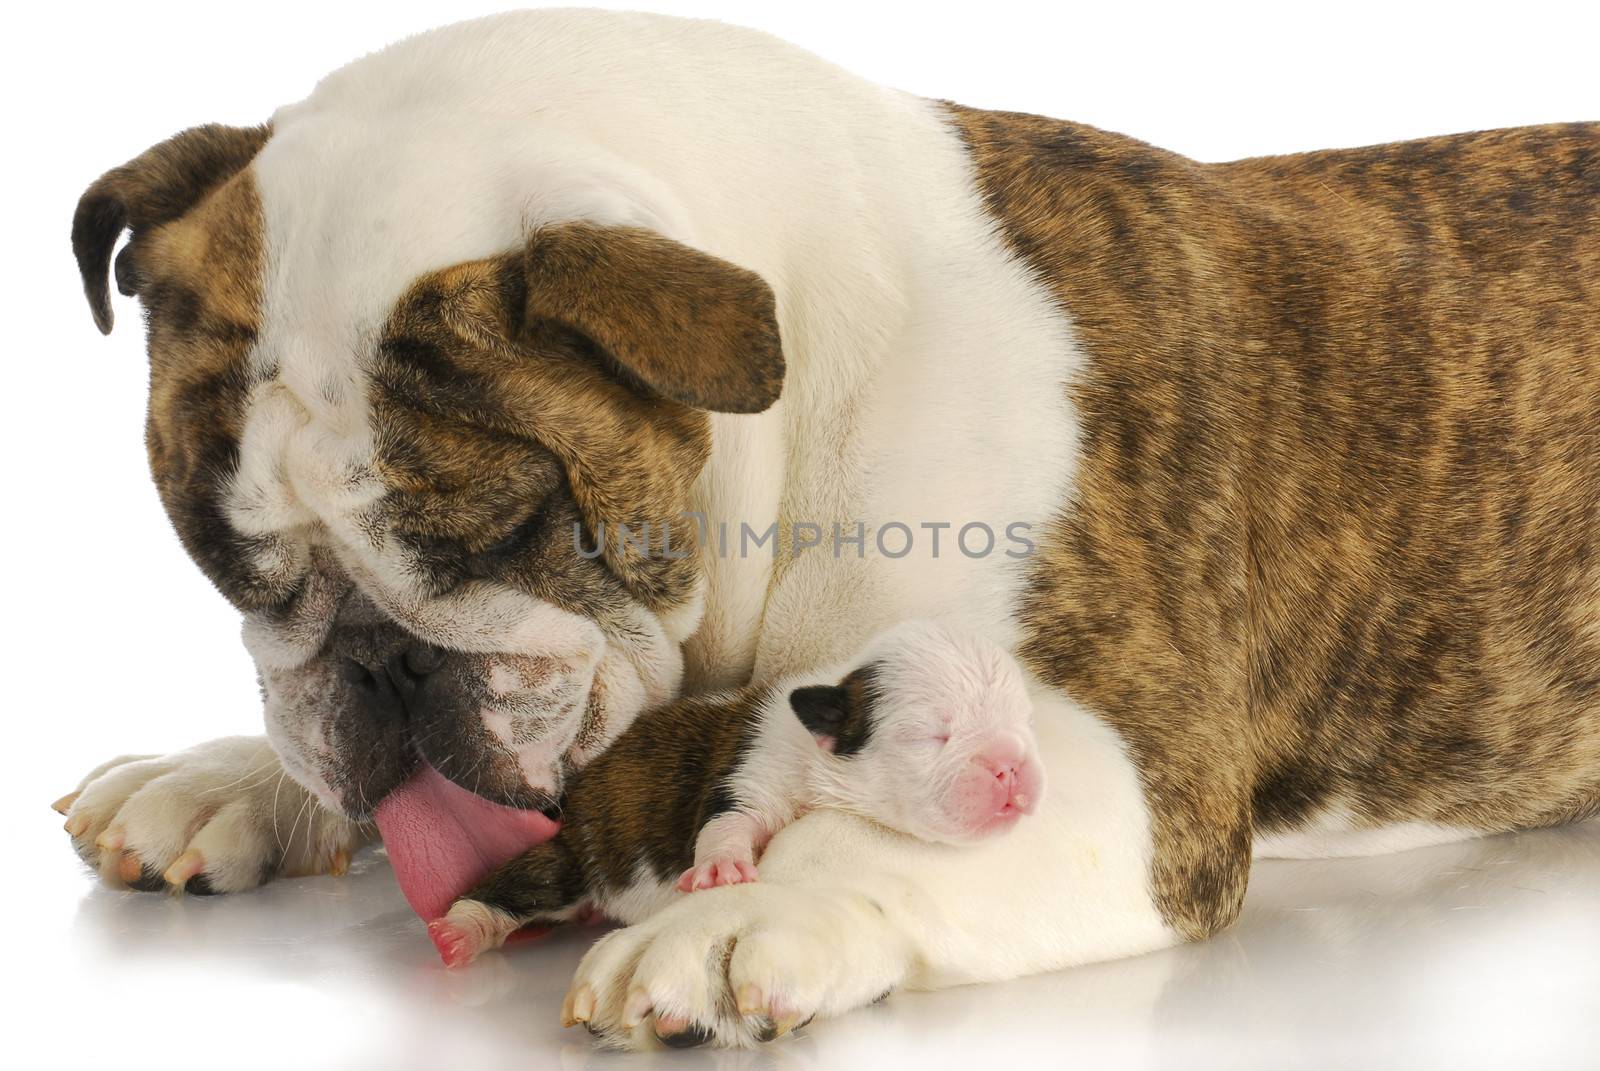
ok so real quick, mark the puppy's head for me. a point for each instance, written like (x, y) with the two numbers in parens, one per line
(932, 735)
(391, 424)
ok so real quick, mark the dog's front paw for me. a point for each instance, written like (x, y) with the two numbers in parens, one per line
(220, 817)
(735, 966)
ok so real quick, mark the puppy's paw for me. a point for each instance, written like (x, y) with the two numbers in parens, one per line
(469, 930)
(220, 817)
(735, 967)
(715, 872)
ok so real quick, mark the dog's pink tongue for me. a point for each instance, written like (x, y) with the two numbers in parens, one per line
(441, 838)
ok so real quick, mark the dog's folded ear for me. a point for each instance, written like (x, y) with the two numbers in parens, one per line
(682, 323)
(159, 185)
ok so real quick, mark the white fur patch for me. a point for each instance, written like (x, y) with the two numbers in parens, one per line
(1336, 832)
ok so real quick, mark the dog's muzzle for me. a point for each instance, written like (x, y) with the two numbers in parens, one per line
(389, 691)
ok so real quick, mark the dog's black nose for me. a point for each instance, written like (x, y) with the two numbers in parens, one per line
(409, 667)
(374, 689)
(357, 675)
(390, 689)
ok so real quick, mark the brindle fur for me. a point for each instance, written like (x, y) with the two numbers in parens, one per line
(635, 808)
(503, 428)
(510, 411)
(195, 260)
(687, 325)
(1334, 543)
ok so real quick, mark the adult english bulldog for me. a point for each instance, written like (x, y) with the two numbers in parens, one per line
(473, 373)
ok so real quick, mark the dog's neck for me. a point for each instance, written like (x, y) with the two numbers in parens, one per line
(894, 295)
(927, 383)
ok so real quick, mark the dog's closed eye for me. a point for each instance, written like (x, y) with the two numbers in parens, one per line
(510, 545)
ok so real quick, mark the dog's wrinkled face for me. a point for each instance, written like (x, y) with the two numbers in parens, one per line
(404, 501)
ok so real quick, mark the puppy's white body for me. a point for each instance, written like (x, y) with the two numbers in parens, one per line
(947, 720)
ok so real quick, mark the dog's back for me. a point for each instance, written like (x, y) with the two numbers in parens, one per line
(1337, 522)
(1426, 479)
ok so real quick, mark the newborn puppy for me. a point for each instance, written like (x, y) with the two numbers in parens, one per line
(930, 735)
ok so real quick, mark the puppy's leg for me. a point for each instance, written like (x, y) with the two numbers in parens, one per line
(847, 911)
(220, 817)
(544, 884)
(470, 928)
(725, 851)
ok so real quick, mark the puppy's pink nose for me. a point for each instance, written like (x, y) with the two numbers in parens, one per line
(998, 785)
(1007, 789)
(1015, 786)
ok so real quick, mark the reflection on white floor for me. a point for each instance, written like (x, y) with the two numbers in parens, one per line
(1485, 953)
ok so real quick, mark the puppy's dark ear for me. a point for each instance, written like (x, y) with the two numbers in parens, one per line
(839, 715)
(822, 708)
(680, 322)
(160, 184)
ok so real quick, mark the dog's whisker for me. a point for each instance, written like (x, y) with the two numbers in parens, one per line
(267, 767)
(276, 832)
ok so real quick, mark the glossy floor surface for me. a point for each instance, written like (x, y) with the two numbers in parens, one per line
(1482, 954)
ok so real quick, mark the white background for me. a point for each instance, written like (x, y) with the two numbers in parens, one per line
(116, 643)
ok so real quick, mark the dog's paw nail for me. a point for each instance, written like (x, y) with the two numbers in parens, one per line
(750, 1000)
(186, 866)
(76, 826)
(64, 804)
(637, 1007)
(582, 1004)
(567, 1018)
(680, 1033)
(129, 868)
(784, 1023)
(774, 1026)
(339, 865)
(110, 840)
